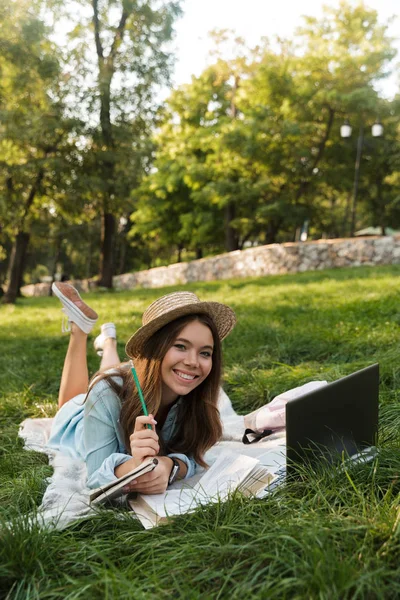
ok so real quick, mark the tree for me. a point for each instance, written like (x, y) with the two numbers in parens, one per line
(129, 40)
(34, 131)
(380, 169)
(193, 180)
(254, 140)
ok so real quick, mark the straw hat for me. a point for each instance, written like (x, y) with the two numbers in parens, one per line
(171, 307)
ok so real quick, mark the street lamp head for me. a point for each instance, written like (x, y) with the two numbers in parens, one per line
(377, 129)
(345, 129)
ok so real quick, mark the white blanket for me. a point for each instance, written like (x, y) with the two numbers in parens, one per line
(66, 497)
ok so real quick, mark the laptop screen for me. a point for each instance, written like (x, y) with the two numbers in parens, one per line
(341, 416)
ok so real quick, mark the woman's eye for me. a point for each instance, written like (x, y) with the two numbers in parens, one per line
(180, 346)
(206, 354)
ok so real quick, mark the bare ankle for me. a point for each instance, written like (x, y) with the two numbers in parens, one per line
(77, 331)
(110, 343)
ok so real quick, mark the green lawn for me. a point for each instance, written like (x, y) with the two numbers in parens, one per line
(335, 536)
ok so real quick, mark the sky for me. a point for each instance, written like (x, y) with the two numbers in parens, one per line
(252, 19)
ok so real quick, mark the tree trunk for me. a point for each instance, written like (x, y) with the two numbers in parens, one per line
(122, 255)
(3, 263)
(179, 253)
(122, 245)
(272, 231)
(17, 267)
(107, 250)
(57, 252)
(231, 241)
(18, 254)
(199, 253)
(106, 67)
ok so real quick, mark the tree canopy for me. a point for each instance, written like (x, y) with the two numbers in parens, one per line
(249, 152)
(251, 147)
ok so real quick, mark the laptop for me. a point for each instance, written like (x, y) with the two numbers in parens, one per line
(336, 421)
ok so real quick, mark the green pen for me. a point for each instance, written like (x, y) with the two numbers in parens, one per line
(139, 389)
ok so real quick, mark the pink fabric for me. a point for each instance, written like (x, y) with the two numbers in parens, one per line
(273, 415)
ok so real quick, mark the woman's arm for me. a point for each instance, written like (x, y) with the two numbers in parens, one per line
(104, 448)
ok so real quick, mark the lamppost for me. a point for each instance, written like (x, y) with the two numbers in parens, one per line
(345, 132)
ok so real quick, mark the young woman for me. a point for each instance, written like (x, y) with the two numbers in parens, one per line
(177, 356)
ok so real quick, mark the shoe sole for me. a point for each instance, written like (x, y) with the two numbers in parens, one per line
(69, 296)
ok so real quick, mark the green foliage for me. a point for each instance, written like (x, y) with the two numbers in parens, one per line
(37, 147)
(252, 145)
(30, 70)
(129, 41)
(38, 273)
(243, 155)
(333, 535)
(75, 134)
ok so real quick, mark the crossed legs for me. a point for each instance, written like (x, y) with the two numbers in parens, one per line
(81, 318)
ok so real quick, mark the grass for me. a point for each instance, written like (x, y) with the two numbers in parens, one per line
(333, 536)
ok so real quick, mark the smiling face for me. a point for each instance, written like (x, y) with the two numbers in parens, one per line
(188, 361)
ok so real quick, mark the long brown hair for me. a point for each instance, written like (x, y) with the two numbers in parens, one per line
(198, 425)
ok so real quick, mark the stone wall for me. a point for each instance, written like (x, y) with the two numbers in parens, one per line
(254, 262)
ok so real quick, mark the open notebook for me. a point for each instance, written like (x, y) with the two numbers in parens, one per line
(229, 472)
(113, 490)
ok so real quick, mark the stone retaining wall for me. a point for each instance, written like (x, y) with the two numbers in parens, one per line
(254, 262)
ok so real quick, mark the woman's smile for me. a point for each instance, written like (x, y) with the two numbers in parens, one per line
(188, 362)
(184, 375)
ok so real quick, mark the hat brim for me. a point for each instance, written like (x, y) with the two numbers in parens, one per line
(223, 317)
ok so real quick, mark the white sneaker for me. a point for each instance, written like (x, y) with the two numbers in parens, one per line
(75, 309)
(107, 331)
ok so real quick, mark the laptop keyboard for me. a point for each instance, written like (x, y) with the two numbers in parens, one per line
(280, 478)
(365, 455)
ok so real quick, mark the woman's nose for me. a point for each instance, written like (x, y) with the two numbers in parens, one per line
(191, 359)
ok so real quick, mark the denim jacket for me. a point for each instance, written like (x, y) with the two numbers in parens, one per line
(91, 430)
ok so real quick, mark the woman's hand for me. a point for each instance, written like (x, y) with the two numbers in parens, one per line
(155, 482)
(144, 442)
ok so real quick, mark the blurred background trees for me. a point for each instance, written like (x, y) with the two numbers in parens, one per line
(99, 177)
(255, 142)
